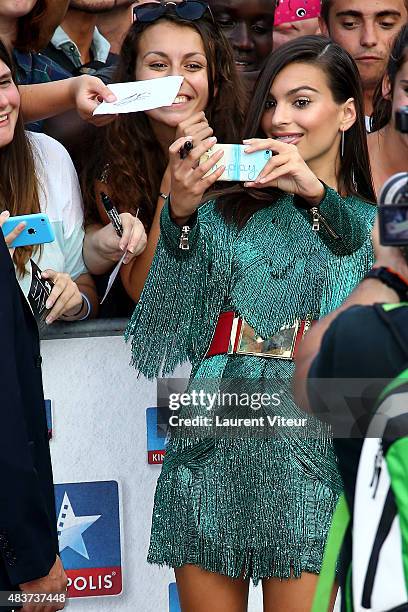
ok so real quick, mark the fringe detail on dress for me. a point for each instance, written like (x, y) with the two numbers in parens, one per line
(203, 520)
(178, 310)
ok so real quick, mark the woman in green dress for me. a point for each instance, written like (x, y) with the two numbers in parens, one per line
(234, 283)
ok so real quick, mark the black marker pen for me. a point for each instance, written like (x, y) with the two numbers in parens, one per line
(185, 149)
(112, 213)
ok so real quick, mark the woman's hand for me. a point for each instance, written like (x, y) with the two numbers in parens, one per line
(287, 170)
(188, 180)
(11, 236)
(65, 298)
(133, 240)
(87, 93)
(196, 127)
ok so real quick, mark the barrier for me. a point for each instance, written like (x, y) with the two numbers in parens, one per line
(104, 483)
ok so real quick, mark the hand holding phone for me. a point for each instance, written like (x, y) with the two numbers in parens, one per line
(10, 236)
(239, 166)
(27, 230)
(190, 179)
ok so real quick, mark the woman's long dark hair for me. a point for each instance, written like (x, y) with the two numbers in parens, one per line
(18, 182)
(28, 29)
(129, 146)
(382, 108)
(239, 203)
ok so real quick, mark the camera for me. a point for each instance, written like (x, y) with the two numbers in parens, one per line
(393, 199)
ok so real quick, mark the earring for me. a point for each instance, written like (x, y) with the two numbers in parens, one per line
(342, 144)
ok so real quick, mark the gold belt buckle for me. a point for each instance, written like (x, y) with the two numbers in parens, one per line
(279, 346)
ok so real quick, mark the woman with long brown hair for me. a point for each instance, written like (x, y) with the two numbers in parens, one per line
(248, 485)
(131, 154)
(36, 174)
(386, 144)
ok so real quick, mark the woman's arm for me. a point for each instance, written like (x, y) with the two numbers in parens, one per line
(168, 324)
(103, 247)
(134, 275)
(342, 223)
(86, 286)
(66, 300)
(83, 93)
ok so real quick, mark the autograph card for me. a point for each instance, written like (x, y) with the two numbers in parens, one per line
(112, 277)
(40, 290)
(141, 95)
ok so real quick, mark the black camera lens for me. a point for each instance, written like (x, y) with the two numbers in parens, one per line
(401, 119)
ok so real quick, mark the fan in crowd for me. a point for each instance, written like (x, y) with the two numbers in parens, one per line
(130, 160)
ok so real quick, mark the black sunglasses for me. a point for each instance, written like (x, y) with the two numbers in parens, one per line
(191, 10)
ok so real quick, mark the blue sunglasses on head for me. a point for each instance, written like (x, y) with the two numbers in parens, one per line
(191, 10)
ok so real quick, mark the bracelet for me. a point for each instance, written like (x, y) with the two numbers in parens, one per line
(86, 301)
(88, 307)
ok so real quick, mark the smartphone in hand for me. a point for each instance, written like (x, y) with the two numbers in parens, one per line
(38, 230)
(239, 166)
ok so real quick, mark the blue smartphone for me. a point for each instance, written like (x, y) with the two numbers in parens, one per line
(38, 230)
(239, 166)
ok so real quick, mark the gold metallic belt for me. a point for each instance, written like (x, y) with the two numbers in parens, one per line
(234, 335)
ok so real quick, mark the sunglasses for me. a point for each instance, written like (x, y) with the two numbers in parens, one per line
(190, 10)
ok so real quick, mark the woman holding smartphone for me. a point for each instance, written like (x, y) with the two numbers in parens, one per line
(256, 266)
(37, 175)
(386, 144)
(130, 159)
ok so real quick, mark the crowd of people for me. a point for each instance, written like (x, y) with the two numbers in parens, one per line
(321, 94)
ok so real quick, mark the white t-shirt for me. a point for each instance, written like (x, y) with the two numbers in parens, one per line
(60, 198)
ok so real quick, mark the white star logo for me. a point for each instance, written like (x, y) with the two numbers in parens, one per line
(71, 528)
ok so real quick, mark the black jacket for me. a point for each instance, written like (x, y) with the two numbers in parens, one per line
(28, 526)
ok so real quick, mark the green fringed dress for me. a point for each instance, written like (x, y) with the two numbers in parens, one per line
(245, 506)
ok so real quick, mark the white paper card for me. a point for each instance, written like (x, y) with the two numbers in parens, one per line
(113, 276)
(141, 95)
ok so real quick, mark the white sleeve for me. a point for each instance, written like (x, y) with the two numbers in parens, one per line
(60, 198)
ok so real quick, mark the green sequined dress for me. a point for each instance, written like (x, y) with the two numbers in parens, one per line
(245, 506)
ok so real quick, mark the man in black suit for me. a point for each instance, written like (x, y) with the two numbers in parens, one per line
(28, 526)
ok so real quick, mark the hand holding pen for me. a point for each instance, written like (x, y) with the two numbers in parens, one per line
(129, 233)
(112, 213)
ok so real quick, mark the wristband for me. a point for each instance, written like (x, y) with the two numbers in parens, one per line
(391, 279)
(86, 301)
(88, 307)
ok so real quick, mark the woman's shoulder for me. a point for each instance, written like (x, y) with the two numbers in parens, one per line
(48, 147)
(53, 163)
(59, 192)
